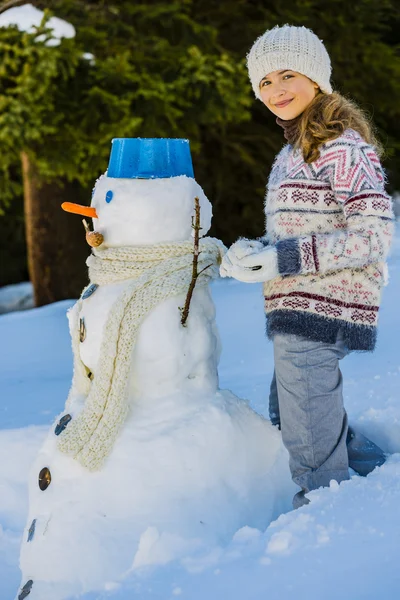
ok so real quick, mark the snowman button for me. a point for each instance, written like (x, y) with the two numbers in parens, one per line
(31, 531)
(62, 423)
(89, 291)
(26, 590)
(82, 330)
(44, 478)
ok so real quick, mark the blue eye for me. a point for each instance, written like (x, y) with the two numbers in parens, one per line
(109, 196)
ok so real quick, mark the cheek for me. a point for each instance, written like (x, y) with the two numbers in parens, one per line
(265, 96)
(305, 92)
(309, 95)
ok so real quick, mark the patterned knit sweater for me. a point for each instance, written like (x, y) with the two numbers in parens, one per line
(331, 222)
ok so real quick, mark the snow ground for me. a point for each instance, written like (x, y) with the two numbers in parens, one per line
(344, 544)
(17, 296)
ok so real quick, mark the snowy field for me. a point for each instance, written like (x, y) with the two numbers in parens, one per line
(343, 545)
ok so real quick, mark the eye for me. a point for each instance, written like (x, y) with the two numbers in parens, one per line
(109, 196)
(264, 83)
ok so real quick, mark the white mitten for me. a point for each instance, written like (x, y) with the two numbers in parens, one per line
(251, 267)
(242, 248)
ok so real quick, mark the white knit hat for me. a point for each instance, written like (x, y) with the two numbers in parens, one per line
(289, 47)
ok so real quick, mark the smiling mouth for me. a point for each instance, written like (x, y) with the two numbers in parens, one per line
(283, 104)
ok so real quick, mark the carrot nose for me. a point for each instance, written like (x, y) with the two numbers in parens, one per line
(77, 209)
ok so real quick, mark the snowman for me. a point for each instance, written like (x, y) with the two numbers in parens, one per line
(148, 448)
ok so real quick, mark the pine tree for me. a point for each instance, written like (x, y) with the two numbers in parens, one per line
(177, 69)
(364, 44)
(155, 72)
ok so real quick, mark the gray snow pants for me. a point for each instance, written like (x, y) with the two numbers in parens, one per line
(308, 383)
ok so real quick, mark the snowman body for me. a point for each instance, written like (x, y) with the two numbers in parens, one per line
(166, 356)
(192, 463)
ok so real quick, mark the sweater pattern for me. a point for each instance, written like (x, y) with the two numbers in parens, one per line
(331, 222)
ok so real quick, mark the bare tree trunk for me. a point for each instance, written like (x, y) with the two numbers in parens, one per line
(56, 245)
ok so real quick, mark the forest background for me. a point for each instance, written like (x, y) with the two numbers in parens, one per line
(162, 69)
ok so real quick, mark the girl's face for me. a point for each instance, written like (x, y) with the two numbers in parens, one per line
(287, 93)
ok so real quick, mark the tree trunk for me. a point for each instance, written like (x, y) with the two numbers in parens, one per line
(56, 245)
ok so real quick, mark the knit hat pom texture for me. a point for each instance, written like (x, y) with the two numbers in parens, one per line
(289, 47)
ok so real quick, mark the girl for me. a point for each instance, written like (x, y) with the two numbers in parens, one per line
(328, 230)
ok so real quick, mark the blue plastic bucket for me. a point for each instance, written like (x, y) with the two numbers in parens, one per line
(150, 158)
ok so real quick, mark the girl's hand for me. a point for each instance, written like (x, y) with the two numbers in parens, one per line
(250, 261)
(244, 247)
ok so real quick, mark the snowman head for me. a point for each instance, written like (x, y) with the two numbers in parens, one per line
(147, 196)
(140, 212)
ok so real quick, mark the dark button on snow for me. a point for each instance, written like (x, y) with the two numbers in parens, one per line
(44, 479)
(89, 291)
(26, 590)
(82, 330)
(31, 531)
(62, 423)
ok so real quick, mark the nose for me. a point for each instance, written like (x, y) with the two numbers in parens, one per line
(78, 209)
(277, 93)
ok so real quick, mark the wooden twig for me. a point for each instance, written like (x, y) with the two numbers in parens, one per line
(196, 252)
(205, 268)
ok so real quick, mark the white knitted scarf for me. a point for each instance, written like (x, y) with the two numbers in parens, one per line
(155, 273)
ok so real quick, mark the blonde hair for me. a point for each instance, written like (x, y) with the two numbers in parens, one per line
(326, 118)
